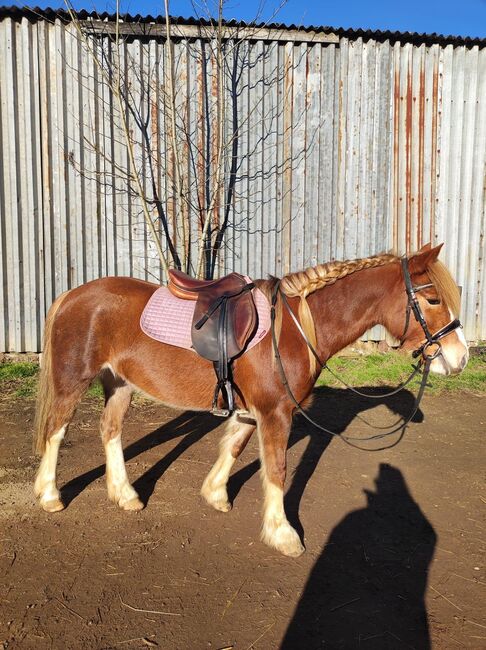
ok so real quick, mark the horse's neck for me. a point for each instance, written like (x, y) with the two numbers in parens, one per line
(343, 311)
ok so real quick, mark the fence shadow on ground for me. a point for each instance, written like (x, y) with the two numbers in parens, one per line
(367, 588)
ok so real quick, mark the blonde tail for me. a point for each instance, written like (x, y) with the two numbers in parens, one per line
(45, 392)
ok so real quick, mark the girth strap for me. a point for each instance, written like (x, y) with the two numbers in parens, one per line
(219, 342)
(222, 365)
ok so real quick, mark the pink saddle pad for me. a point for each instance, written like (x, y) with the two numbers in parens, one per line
(168, 319)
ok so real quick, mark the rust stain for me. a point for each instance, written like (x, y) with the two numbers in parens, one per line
(408, 160)
(433, 166)
(215, 140)
(287, 159)
(420, 197)
(340, 123)
(200, 159)
(171, 198)
(154, 126)
(396, 152)
(185, 169)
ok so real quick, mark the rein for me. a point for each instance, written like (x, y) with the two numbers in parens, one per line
(423, 365)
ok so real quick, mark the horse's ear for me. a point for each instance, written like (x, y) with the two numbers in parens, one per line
(426, 255)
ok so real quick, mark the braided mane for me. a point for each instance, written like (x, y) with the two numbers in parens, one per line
(303, 283)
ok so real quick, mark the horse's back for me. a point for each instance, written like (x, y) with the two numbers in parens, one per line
(115, 296)
(114, 286)
(98, 317)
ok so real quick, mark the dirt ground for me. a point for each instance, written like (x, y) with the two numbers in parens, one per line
(395, 539)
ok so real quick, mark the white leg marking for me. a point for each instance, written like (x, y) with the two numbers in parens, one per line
(119, 489)
(276, 531)
(214, 488)
(45, 483)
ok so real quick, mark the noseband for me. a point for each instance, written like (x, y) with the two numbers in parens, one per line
(422, 366)
(413, 305)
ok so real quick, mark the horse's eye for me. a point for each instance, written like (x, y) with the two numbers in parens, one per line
(433, 301)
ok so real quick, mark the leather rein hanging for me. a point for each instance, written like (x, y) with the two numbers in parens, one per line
(423, 364)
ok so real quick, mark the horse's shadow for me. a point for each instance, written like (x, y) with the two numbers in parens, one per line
(336, 408)
(189, 426)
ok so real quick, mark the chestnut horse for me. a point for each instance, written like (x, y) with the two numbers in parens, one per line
(94, 330)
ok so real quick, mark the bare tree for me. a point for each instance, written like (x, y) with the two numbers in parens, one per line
(181, 113)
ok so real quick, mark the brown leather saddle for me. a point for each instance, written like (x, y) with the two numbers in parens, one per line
(225, 320)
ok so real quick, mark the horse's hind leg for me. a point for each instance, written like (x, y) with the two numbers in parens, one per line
(214, 488)
(59, 412)
(273, 433)
(45, 487)
(117, 400)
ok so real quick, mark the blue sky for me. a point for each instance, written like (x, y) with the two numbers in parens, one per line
(460, 18)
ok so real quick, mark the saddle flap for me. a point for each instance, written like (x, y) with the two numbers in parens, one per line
(240, 325)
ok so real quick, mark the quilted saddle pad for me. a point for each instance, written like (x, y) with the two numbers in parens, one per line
(168, 319)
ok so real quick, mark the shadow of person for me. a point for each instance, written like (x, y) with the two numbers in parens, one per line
(189, 426)
(335, 408)
(367, 588)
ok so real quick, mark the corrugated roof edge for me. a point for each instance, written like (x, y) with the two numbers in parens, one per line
(35, 13)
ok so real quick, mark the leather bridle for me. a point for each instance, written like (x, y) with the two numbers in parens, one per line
(413, 305)
(422, 366)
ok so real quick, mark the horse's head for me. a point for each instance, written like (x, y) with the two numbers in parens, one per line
(439, 337)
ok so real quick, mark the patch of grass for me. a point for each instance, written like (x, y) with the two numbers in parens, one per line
(18, 379)
(21, 380)
(390, 369)
(26, 387)
(9, 371)
(95, 390)
(393, 368)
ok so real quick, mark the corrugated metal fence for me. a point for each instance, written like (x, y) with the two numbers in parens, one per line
(349, 148)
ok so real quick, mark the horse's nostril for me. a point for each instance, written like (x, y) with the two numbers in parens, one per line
(464, 361)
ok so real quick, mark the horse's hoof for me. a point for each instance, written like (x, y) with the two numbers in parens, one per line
(222, 506)
(133, 505)
(218, 498)
(292, 551)
(283, 538)
(53, 505)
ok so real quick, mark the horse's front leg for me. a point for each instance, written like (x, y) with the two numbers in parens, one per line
(273, 434)
(214, 488)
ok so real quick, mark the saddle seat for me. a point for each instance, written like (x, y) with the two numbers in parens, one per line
(187, 288)
(224, 321)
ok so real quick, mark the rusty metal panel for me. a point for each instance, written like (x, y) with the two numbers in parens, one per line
(344, 150)
(256, 144)
(476, 300)
(13, 186)
(270, 161)
(4, 198)
(326, 160)
(287, 112)
(460, 217)
(297, 160)
(311, 234)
